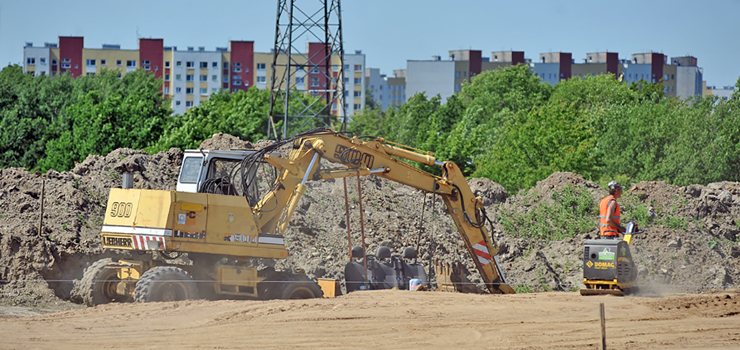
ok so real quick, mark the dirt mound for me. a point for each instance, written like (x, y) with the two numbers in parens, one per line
(689, 244)
(38, 266)
(225, 142)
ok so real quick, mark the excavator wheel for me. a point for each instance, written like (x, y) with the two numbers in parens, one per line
(99, 283)
(165, 283)
(301, 287)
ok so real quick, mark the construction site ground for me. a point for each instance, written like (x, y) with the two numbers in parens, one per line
(391, 320)
(687, 259)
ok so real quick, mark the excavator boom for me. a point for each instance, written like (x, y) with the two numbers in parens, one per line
(375, 157)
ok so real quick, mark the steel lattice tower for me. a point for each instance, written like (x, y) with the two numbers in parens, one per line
(317, 69)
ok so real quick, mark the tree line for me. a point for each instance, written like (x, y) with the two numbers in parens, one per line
(505, 125)
(508, 126)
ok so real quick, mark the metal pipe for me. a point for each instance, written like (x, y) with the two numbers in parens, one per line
(362, 225)
(310, 166)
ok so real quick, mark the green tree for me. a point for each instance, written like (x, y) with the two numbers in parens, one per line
(551, 138)
(128, 113)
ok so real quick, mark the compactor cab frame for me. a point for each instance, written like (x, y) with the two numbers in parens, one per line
(221, 218)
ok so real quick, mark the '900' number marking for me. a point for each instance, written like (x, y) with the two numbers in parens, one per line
(121, 209)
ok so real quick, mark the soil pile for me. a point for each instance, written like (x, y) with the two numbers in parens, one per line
(689, 247)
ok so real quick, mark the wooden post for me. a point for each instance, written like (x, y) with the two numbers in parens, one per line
(41, 217)
(603, 326)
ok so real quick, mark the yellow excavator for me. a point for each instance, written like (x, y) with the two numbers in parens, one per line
(219, 216)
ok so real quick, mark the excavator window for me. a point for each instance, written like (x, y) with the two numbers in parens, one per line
(190, 170)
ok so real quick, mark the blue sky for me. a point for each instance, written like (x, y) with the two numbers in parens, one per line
(390, 32)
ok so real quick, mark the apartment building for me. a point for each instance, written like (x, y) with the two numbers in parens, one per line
(190, 76)
(387, 92)
(681, 77)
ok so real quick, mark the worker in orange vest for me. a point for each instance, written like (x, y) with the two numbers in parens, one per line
(609, 213)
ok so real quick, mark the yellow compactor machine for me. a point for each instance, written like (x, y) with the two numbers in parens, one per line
(220, 219)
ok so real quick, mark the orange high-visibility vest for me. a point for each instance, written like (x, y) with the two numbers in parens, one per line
(605, 228)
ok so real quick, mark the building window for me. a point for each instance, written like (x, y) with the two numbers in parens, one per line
(189, 64)
(54, 62)
(261, 79)
(167, 64)
(203, 78)
(358, 67)
(189, 91)
(214, 90)
(314, 82)
(314, 70)
(146, 63)
(189, 77)
(237, 64)
(65, 65)
(214, 77)
(102, 62)
(357, 94)
(178, 76)
(31, 60)
(237, 70)
(226, 78)
(204, 65)
(76, 66)
(457, 87)
(118, 62)
(234, 90)
(66, 60)
(300, 80)
(236, 82)
(358, 81)
(357, 106)
(166, 77)
(346, 80)
(226, 65)
(464, 74)
(214, 64)
(495, 58)
(246, 83)
(457, 74)
(178, 90)
(204, 91)
(179, 63)
(177, 103)
(130, 63)
(166, 90)
(672, 77)
(188, 103)
(260, 66)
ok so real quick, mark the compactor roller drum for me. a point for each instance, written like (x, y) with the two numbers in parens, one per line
(165, 283)
(99, 284)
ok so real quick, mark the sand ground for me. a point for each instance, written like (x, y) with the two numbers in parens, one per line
(391, 320)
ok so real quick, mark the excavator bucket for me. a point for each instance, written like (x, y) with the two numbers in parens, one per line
(451, 277)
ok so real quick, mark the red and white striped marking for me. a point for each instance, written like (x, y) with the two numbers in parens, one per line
(482, 252)
(142, 242)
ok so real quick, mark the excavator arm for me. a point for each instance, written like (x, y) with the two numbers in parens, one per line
(377, 157)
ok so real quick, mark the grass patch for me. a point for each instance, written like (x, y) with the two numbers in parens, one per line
(571, 212)
(522, 288)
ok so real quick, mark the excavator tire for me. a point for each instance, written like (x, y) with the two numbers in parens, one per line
(98, 284)
(300, 287)
(165, 283)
